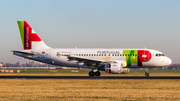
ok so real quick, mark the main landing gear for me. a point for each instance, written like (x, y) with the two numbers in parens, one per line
(92, 73)
(97, 73)
(147, 72)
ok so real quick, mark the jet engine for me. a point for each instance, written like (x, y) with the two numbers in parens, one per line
(116, 68)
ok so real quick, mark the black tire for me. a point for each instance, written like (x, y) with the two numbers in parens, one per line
(147, 74)
(97, 73)
(91, 73)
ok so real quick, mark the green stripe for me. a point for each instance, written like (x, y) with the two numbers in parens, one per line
(129, 56)
(21, 30)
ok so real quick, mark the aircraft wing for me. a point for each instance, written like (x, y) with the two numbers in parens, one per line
(86, 61)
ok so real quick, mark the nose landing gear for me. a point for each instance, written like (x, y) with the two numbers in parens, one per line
(147, 72)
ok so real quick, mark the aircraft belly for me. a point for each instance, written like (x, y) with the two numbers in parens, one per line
(63, 61)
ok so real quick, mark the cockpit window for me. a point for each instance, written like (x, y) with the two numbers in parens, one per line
(160, 55)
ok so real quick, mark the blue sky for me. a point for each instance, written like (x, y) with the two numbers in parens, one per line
(154, 24)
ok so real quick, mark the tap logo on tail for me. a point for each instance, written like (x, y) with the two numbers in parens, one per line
(28, 35)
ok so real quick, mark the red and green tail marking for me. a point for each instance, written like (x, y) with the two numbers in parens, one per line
(27, 34)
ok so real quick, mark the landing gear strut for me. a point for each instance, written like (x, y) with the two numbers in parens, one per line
(147, 72)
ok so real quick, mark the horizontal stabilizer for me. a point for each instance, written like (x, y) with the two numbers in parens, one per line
(26, 53)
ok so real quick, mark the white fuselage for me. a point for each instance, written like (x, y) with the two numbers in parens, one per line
(59, 57)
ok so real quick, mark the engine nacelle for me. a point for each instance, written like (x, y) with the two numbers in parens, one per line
(116, 68)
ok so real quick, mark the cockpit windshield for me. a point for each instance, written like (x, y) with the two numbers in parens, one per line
(160, 55)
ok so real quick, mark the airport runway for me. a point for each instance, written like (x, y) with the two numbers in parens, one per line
(87, 77)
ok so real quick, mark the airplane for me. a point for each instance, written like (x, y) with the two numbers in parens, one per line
(115, 60)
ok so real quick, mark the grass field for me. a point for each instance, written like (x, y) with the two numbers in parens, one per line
(90, 89)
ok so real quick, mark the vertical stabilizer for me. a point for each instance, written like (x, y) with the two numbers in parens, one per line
(30, 40)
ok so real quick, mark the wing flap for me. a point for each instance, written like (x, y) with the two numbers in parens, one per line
(86, 60)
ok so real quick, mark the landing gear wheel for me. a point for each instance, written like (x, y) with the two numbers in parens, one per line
(147, 74)
(97, 73)
(91, 73)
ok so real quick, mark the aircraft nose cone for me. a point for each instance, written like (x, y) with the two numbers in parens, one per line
(169, 61)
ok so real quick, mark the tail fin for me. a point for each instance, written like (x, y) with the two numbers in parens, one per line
(30, 39)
